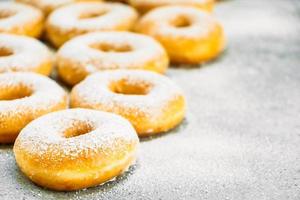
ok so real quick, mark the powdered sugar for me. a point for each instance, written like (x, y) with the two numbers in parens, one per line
(47, 5)
(68, 21)
(44, 96)
(145, 5)
(159, 23)
(45, 136)
(94, 92)
(19, 17)
(144, 52)
(27, 54)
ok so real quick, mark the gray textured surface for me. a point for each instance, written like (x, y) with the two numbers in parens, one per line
(241, 138)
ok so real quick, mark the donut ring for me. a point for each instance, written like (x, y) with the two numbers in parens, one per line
(75, 149)
(109, 50)
(48, 6)
(23, 98)
(146, 5)
(24, 54)
(150, 101)
(79, 18)
(20, 19)
(189, 35)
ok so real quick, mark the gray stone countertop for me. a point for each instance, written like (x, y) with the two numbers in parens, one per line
(241, 136)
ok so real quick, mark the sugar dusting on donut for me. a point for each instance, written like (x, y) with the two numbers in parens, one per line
(45, 135)
(83, 17)
(26, 54)
(172, 2)
(20, 19)
(143, 49)
(201, 23)
(47, 5)
(161, 93)
(45, 93)
(18, 13)
(146, 5)
(68, 16)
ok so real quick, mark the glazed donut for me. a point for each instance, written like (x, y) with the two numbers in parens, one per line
(79, 18)
(24, 97)
(150, 101)
(47, 6)
(76, 149)
(189, 35)
(146, 5)
(21, 53)
(20, 19)
(109, 50)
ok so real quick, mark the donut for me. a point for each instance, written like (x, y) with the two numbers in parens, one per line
(150, 101)
(189, 35)
(79, 18)
(20, 19)
(146, 5)
(75, 149)
(25, 96)
(97, 51)
(47, 6)
(24, 54)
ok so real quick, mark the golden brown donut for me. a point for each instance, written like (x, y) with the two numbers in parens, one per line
(47, 6)
(189, 35)
(100, 51)
(75, 149)
(24, 54)
(146, 5)
(150, 101)
(20, 19)
(25, 97)
(79, 18)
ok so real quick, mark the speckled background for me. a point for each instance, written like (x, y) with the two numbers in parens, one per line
(241, 137)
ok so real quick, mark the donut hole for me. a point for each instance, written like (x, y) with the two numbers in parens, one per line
(6, 14)
(112, 48)
(93, 14)
(181, 22)
(5, 52)
(14, 93)
(78, 128)
(130, 88)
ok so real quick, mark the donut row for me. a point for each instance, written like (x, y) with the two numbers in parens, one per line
(189, 35)
(151, 102)
(64, 150)
(82, 138)
(141, 5)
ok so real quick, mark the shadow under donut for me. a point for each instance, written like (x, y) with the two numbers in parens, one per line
(6, 146)
(175, 130)
(217, 59)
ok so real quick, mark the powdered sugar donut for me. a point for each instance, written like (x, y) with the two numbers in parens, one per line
(47, 6)
(76, 148)
(79, 18)
(20, 19)
(150, 101)
(20, 53)
(23, 98)
(146, 5)
(189, 35)
(109, 50)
